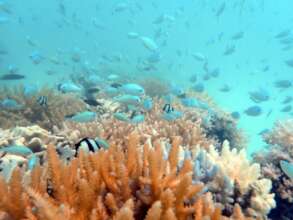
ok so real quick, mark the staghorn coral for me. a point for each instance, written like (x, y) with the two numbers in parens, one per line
(134, 183)
(32, 113)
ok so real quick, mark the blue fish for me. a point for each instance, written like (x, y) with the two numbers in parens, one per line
(121, 116)
(30, 90)
(176, 90)
(82, 117)
(132, 89)
(137, 119)
(147, 104)
(172, 116)
(17, 150)
(260, 95)
(68, 87)
(36, 57)
(10, 104)
(128, 99)
(235, 115)
(287, 168)
(254, 110)
(155, 57)
(111, 91)
(189, 102)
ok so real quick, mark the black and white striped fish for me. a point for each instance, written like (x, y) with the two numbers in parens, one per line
(43, 101)
(168, 108)
(87, 145)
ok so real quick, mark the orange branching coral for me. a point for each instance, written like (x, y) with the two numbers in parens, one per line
(131, 182)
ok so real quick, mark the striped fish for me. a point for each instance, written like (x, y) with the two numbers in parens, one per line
(87, 145)
(43, 101)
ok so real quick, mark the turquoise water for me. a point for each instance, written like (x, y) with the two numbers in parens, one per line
(96, 29)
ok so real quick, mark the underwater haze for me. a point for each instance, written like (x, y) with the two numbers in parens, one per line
(204, 59)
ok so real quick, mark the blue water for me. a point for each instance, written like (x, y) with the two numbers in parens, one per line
(97, 31)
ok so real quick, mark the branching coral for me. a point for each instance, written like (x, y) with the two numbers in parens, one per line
(241, 180)
(31, 112)
(280, 141)
(132, 182)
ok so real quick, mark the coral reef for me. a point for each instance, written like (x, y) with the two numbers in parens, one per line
(280, 147)
(241, 180)
(130, 182)
(30, 112)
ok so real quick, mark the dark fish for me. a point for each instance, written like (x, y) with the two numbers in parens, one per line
(235, 115)
(87, 144)
(287, 108)
(225, 88)
(263, 132)
(168, 108)
(287, 100)
(254, 110)
(182, 96)
(229, 50)
(116, 85)
(283, 84)
(284, 33)
(12, 76)
(43, 101)
(260, 95)
(238, 35)
(199, 87)
(289, 63)
(93, 90)
(92, 102)
(221, 9)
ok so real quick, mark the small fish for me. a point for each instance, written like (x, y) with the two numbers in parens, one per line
(12, 76)
(121, 116)
(149, 43)
(103, 143)
(263, 132)
(92, 102)
(235, 115)
(137, 119)
(221, 9)
(116, 85)
(147, 104)
(287, 108)
(287, 168)
(168, 108)
(10, 104)
(172, 116)
(260, 95)
(225, 88)
(17, 150)
(128, 99)
(287, 100)
(283, 84)
(30, 90)
(238, 35)
(132, 35)
(113, 77)
(36, 57)
(82, 117)
(93, 90)
(155, 57)
(87, 145)
(132, 89)
(189, 102)
(199, 57)
(43, 101)
(254, 110)
(68, 87)
(176, 90)
(229, 50)
(284, 33)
